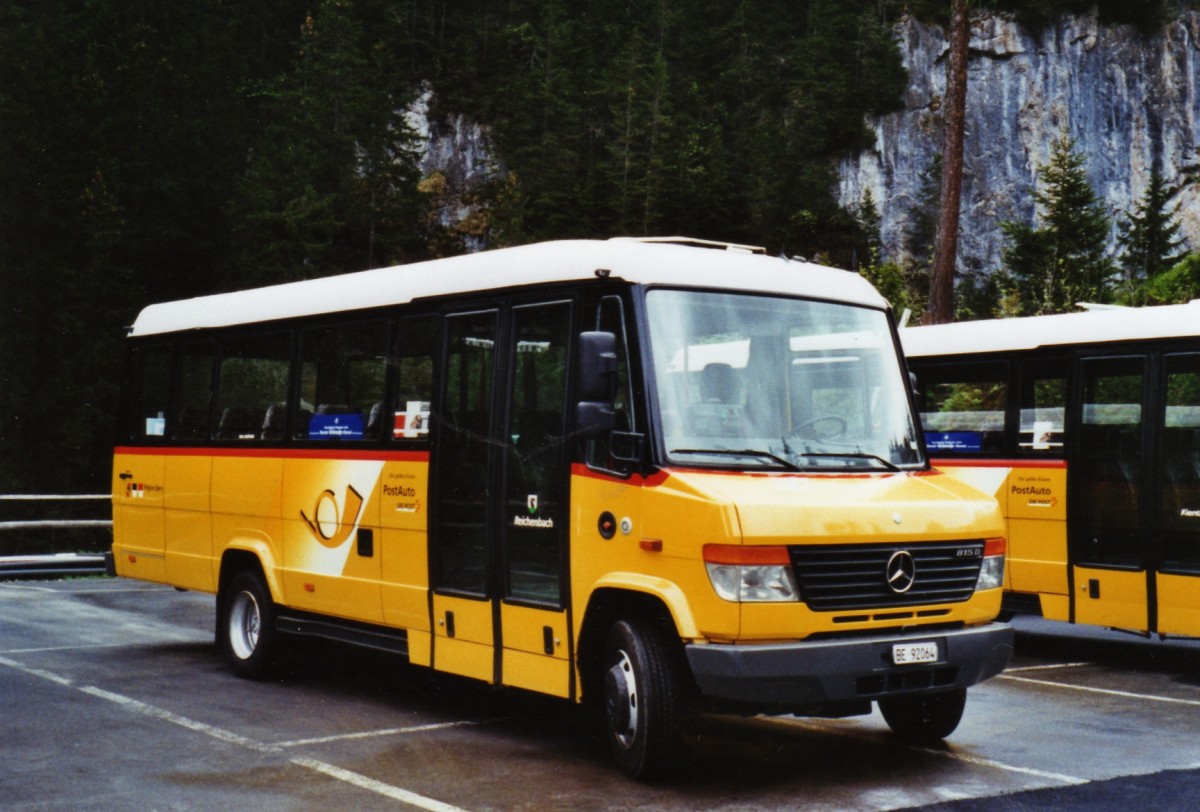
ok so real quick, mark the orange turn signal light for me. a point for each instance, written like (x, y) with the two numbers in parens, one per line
(748, 556)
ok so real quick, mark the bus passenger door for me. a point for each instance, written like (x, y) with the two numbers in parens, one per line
(1178, 578)
(499, 497)
(1109, 480)
(461, 533)
(533, 518)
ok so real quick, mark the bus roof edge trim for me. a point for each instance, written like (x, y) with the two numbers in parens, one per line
(637, 261)
(1097, 325)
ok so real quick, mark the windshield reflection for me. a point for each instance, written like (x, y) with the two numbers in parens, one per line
(766, 382)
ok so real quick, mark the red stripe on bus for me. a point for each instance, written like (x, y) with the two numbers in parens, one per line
(284, 453)
(660, 476)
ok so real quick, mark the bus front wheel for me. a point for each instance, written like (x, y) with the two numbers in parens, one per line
(246, 627)
(642, 698)
(924, 718)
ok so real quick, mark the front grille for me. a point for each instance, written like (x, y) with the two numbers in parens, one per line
(854, 576)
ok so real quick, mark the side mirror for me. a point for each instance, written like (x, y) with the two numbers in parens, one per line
(597, 366)
(597, 382)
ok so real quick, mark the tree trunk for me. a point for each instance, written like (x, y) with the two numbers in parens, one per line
(945, 246)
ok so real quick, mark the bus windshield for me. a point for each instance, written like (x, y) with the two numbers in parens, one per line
(748, 381)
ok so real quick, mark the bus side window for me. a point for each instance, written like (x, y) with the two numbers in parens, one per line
(610, 318)
(415, 342)
(194, 393)
(963, 408)
(1043, 396)
(252, 382)
(343, 381)
(153, 394)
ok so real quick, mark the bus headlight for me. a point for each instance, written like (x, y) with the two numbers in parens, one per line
(750, 573)
(991, 574)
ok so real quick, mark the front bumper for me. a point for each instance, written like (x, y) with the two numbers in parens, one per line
(823, 672)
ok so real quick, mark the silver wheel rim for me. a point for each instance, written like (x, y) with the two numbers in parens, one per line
(621, 695)
(244, 623)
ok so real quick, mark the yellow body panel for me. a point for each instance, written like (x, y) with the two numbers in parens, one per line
(681, 511)
(404, 547)
(138, 520)
(525, 661)
(463, 636)
(326, 504)
(188, 523)
(302, 515)
(1122, 601)
(1178, 607)
(1034, 502)
(177, 512)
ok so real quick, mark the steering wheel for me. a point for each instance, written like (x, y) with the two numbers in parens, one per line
(838, 426)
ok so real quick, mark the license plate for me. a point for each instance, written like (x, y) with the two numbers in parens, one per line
(908, 653)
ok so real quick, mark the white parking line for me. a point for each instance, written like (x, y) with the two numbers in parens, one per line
(386, 790)
(953, 755)
(1105, 691)
(37, 672)
(371, 734)
(229, 737)
(137, 706)
(45, 649)
(1072, 780)
(1050, 667)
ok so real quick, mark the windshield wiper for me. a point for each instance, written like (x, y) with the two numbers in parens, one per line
(835, 455)
(854, 455)
(748, 452)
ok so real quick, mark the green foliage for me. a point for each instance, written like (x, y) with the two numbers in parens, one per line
(1178, 285)
(718, 118)
(1149, 240)
(1063, 261)
(983, 396)
(904, 285)
(978, 296)
(157, 151)
(331, 184)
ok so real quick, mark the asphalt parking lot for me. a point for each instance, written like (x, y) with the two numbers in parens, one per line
(112, 696)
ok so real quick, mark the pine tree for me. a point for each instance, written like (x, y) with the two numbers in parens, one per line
(1150, 240)
(332, 184)
(1064, 261)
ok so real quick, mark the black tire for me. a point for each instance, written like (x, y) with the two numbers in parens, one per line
(246, 626)
(643, 698)
(924, 718)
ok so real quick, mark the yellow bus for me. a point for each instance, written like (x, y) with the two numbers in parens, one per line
(651, 475)
(1086, 427)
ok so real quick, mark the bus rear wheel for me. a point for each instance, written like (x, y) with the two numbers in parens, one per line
(246, 626)
(924, 718)
(642, 699)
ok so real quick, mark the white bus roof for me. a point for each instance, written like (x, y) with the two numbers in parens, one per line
(1028, 333)
(665, 261)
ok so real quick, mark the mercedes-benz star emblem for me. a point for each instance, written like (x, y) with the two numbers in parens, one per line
(901, 572)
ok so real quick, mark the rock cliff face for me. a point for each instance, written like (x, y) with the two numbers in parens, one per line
(456, 163)
(1131, 102)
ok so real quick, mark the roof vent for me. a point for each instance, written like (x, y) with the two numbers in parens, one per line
(697, 243)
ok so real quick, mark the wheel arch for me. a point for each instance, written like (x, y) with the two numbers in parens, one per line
(606, 606)
(253, 556)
